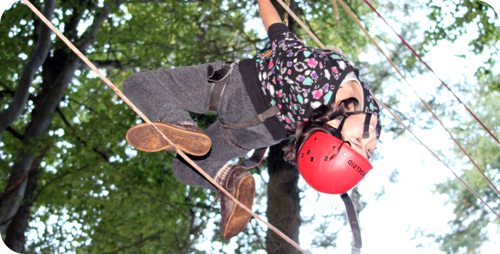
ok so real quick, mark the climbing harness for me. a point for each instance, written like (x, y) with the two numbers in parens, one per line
(218, 79)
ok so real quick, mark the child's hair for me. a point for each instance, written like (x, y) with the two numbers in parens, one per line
(318, 121)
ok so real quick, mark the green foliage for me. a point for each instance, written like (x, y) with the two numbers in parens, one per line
(469, 227)
(96, 194)
(453, 20)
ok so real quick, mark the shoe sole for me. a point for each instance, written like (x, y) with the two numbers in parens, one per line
(145, 138)
(239, 218)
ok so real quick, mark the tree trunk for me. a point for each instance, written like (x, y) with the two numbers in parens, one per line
(283, 201)
(15, 237)
(37, 57)
(57, 73)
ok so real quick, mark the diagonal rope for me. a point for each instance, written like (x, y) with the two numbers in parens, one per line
(301, 24)
(435, 155)
(390, 111)
(285, 19)
(423, 102)
(179, 152)
(336, 10)
(435, 74)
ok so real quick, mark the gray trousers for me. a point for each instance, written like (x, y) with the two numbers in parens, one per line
(168, 94)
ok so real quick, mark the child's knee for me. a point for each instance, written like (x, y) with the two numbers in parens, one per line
(133, 83)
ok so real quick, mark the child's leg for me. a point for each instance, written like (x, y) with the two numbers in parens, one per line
(167, 94)
(234, 107)
(221, 152)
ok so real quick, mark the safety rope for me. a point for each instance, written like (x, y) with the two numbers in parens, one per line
(336, 10)
(285, 18)
(301, 24)
(437, 157)
(179, 152)
(435, 74)
(390, 111)
(416, 93)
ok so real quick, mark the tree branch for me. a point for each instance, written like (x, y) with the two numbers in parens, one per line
(37, 57)
(42, 115)
(55, 179)
(15, 133)
(34, 165)
(137, 243)
(109, 64)
(90, 33)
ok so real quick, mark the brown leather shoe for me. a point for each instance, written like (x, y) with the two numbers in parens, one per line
(241, 185)
(187, 137)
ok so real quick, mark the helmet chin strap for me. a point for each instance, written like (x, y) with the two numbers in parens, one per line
(352, 217)
(366, 125)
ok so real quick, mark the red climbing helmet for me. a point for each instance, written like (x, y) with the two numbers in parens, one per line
(329, 166)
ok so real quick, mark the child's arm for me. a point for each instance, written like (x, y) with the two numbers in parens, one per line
(268, 13)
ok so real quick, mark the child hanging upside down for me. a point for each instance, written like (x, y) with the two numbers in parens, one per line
(295, 92)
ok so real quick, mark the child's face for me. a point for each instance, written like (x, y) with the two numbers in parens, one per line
(352, 132)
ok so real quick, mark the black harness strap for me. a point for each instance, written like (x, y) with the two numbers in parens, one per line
(272, 111)
(218, 78)
(352, 217)
(366, 126)
(255, 159)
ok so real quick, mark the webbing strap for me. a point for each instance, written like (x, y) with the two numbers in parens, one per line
(219, 80)
(217, 89)
(255, 159)
(366, 125)
(352, 217)
(260, 118)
